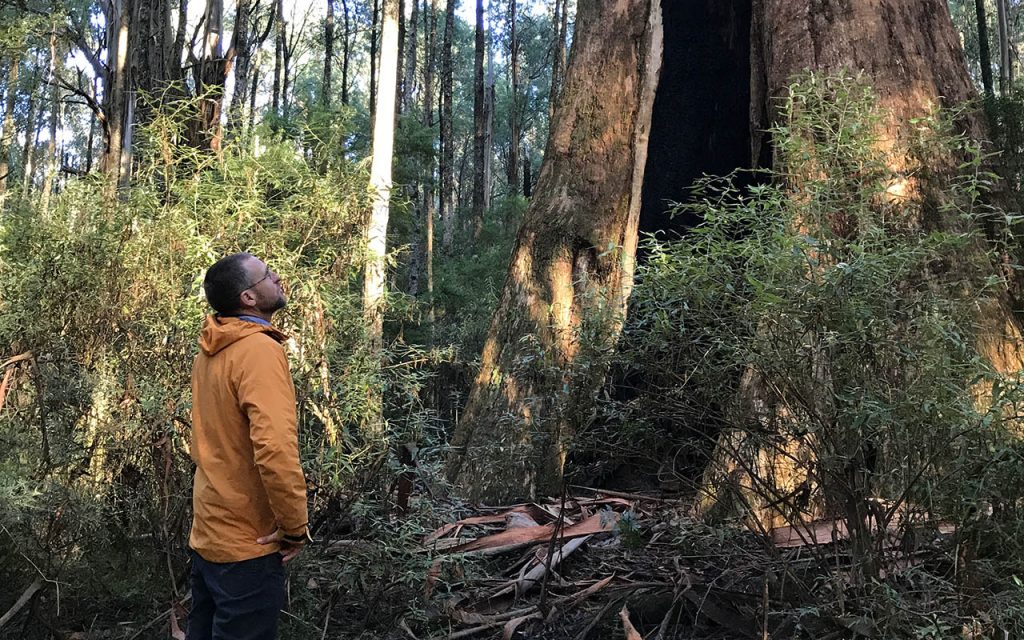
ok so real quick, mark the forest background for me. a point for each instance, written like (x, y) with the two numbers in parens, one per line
(820, 331)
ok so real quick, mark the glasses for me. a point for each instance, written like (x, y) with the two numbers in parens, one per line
(265, 276)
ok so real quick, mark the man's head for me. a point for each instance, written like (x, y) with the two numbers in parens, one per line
(243, 284)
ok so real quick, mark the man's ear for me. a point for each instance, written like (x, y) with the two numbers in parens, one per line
(247, 298)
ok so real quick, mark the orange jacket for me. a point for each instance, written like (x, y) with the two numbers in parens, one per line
(248, 480)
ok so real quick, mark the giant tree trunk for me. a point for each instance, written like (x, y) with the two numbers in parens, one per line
(910, 53)
(572, 266)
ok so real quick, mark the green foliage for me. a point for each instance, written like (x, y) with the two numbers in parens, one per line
(104, 298)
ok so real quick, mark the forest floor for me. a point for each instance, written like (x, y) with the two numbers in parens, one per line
(604, 564)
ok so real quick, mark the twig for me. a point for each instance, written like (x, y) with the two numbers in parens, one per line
(626, 496)
(542, 605)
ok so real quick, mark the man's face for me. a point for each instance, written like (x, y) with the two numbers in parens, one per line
(265, 293)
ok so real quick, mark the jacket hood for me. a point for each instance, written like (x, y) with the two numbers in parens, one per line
(220, 332)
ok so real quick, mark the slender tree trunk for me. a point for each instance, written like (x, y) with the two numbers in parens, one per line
(374, 24)
(29, 149)
(7, 128)
(114, 93)
(345, 54)
(512, 438)
(429, 66)
(561, 23)
(89, 145)
(279, 70)
(242, 50)
(380, 176)
(409, 49)
(56, 115)
(512, 167)
(489, 106)
(325, 96)
(251, 120)
(527, 178)
(479, 124)
(447, 168)
(1005, 49)
(984, 53)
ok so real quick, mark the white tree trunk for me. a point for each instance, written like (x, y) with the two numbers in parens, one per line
(380, 175)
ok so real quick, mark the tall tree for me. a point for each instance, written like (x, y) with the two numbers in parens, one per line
(374, 278)
(346, 45)
(984, 53)
(276, 92)
(429, 66)
(374, 25)
(512, 165)
(408, 59)
(446, 209)
(573, 259)
(1005, 47)
(479, 124)
(561, 26)
(325, 95)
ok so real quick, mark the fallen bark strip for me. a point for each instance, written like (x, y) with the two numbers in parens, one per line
(36, 585)
(529, 535)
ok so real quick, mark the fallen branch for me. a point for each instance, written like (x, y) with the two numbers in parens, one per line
(36, 585)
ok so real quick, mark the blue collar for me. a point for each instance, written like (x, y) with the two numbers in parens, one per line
(248, 318)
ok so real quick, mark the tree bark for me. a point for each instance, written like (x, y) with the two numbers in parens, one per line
(984, 53)
(380, 177)
(479, 125)
(572, 267)
(447, 168)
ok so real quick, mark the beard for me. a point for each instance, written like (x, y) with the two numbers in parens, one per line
(270, 304)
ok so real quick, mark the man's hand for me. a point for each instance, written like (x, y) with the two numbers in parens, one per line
(288, 551)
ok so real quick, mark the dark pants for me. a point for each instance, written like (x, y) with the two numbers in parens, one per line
(236, 600)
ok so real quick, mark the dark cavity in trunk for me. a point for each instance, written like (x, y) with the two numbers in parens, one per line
(701, 119)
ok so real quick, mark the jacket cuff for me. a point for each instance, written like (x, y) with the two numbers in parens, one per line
(296, 537)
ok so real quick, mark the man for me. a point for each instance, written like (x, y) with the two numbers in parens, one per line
(249, 496)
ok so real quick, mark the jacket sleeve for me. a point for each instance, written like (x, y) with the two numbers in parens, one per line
(266, 395)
